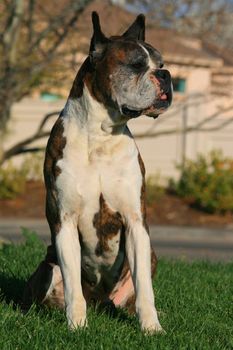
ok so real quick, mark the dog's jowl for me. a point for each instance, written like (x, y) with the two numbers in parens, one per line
(94, 176)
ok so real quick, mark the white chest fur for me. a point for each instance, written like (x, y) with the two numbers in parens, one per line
(96, 163)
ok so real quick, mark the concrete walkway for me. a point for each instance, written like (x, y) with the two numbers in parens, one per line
(189, 243)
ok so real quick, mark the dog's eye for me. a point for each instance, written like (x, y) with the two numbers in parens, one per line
(138, 65)
(161, 65)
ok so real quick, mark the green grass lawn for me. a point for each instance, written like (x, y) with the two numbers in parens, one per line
(195, 302)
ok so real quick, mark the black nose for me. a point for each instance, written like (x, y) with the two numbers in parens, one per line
(164, 78)
(163, 74)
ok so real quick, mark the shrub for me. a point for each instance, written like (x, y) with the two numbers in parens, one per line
(13, 179)
(154, 189)
(33, 166)
(207, 183)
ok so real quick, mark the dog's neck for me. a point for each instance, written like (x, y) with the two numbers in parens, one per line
(96, 127)
(91, 115)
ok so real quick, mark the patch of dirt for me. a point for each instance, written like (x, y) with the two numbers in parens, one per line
(167, 210)
(30, 204)
(172, 210)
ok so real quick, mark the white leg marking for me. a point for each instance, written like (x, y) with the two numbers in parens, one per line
(139, 257)
(69, 257)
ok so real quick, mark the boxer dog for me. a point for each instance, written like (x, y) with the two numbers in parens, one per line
(95, 181)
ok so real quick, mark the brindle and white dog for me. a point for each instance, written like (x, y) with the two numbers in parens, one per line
(94, 177)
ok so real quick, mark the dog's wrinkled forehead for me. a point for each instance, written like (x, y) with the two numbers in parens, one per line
(134, 54)
(154, 54)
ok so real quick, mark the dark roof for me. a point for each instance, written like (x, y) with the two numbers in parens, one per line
(174, 46)
(223, 52)
(171, 43)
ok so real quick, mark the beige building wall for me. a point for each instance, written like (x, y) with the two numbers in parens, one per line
(161, 154)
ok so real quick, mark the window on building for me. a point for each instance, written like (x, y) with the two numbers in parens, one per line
(49, 97)
(179, 84)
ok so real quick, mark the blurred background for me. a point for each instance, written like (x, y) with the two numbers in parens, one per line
(188, 151)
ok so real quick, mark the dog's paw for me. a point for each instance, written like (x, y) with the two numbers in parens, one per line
(151, 328)
(78, 322)
(149, 320)
(76, 317)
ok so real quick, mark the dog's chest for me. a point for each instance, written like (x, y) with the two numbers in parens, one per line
(94, 186)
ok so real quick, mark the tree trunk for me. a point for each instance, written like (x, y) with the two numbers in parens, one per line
(5, 113)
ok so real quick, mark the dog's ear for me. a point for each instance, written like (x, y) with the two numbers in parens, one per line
(98, 40)
(137, 29)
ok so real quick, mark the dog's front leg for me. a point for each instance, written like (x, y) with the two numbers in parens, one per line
(69, 258)
(139, 256)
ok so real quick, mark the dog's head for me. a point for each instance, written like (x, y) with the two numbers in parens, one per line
(127, 73)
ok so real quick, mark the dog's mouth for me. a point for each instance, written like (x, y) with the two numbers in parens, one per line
(160, 105)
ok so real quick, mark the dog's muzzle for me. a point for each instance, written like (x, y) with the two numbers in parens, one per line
(162, 81)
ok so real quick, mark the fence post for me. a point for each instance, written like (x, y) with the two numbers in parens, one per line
(184, 134)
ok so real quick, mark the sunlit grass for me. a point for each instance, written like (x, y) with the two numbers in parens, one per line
(194, 300)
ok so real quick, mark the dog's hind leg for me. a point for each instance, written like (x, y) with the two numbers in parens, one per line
(123, 295)
(45, 286)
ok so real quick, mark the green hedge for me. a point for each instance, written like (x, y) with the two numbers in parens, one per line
(13, 179)
(207, 183)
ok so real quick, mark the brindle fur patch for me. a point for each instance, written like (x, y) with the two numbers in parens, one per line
(99, 83)
(39, 282)
(54, 152)
(78, 84)
(107, 224)
(143, 210)
(143, 192)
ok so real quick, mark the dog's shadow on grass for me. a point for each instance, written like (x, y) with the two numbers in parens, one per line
(111, 311)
